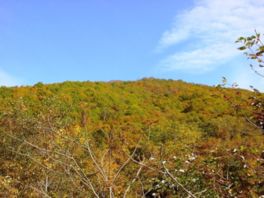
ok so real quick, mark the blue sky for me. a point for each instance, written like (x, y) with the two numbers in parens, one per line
(100, 40)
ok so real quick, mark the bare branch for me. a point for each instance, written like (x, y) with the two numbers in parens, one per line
(133, 181)
(41, 192)
(178, 183)
(124, 165)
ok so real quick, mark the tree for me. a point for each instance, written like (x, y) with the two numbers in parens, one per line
(253, 48)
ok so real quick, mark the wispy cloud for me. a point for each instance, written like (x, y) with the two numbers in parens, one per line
(208, 31)
(8, 80)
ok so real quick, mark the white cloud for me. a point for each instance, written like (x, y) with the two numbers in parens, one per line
(7, 80)
(209, 29)
(199, 60)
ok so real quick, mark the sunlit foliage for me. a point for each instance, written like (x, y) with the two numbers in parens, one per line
(49, 135)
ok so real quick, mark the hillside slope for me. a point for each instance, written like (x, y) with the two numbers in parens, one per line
(86, 139)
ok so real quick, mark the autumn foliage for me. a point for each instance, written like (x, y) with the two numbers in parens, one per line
(147, 138)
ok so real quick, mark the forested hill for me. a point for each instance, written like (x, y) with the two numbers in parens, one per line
(200, 131)
(137, 102)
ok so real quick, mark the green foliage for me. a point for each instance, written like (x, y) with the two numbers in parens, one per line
(191, 127)
(254, 50)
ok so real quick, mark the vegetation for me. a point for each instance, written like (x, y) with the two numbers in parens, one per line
(147, 138)
(254, 50)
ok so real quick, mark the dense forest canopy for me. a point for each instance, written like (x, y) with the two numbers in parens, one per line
(151, 137)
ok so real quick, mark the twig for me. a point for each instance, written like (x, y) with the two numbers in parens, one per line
(133, 181)
(124, 165)
(41, 192)
(174, 179)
